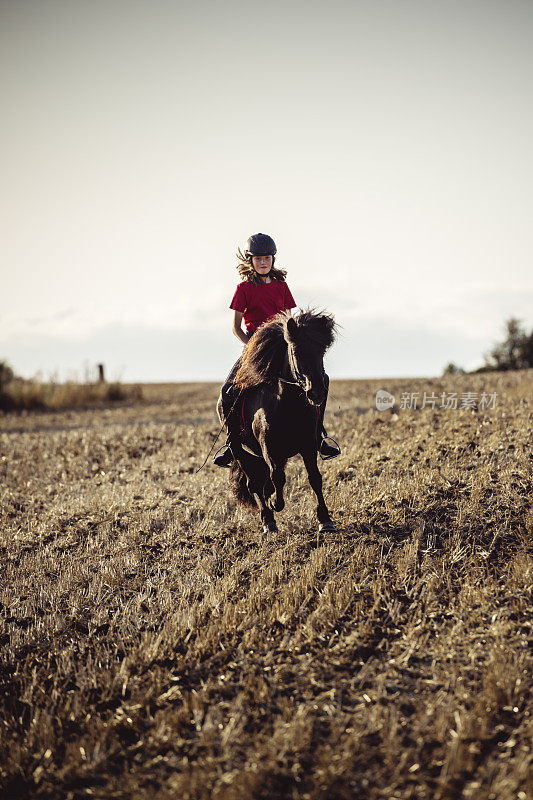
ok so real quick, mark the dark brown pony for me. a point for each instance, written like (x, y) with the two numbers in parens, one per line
(281, 384)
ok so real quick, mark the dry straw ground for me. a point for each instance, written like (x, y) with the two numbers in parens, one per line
(155, 645)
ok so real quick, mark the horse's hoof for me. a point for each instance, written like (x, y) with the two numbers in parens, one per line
(275, 504)
(270, 528)
(327, 527)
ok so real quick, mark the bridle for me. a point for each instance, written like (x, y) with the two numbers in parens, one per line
(293, 383)
(301, 384)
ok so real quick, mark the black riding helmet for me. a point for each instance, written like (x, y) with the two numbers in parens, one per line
(260, 244)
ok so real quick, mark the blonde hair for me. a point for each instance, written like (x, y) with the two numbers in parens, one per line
(247, 272)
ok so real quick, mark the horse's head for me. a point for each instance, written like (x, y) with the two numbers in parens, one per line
(295, 344)
(308, 336)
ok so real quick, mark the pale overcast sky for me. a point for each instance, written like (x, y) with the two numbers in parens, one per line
(386, 146)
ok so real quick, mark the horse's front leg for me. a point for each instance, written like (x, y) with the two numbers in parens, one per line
(309, 456)
(273, 487)
(275, 500)
(256, 473)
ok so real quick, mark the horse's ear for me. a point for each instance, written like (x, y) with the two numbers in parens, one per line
(290, 330)
(328, 325)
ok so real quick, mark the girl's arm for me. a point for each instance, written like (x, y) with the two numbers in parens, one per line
(237, 329)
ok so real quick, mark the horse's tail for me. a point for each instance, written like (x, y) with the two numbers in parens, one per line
(239, 486)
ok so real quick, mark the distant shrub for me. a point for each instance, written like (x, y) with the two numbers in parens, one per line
(116, 392)
(6, 374)
(18, 394)
(515, 352)
(453, 369)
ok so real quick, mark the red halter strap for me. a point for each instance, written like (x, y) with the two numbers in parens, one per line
(243, 423)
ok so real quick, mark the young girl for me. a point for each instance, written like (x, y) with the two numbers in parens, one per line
(262, 294)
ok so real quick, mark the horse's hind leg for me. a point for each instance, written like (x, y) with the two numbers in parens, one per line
(315, 479)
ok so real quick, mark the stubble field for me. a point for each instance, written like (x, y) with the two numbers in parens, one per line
(155, 644)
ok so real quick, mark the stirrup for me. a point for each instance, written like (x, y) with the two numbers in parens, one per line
(333, 455)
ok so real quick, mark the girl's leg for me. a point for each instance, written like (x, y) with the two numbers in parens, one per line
(325, 448)
(320, 424)
(227, 392)
(228, 399)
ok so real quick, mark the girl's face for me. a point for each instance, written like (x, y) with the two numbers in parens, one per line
(262, 264)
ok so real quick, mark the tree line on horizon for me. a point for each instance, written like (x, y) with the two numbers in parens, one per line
(514, 352)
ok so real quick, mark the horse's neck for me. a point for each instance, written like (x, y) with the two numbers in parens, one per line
(286, 372)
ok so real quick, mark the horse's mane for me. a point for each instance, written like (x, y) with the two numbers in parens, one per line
(263, 356)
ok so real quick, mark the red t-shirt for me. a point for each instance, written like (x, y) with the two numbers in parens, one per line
(259, 302)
